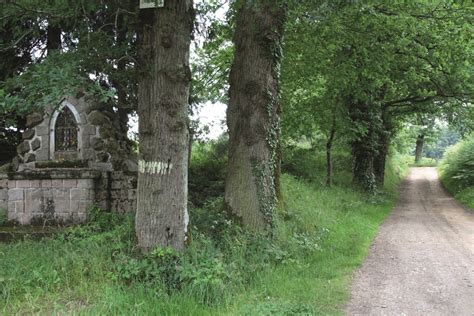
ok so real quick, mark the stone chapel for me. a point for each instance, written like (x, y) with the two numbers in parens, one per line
(71, 159)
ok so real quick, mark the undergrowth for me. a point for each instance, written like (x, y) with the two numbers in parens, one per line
(425, 162)
(457, 171)
(320, 237)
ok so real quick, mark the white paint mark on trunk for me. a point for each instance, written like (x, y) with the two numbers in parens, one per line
(186, 222)
(155, 167)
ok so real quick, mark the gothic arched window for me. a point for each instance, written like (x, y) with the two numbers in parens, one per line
(65, 131)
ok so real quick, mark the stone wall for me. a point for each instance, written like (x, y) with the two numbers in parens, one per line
(3, 192)
(55, 196)
(123, 192)
(117, 191)
(63, 196)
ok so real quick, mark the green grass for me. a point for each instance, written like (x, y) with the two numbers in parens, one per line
(320, 238)
(466, 197)
(424, 162)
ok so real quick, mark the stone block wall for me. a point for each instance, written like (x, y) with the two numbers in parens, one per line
(63, 196)
(123, 192)
(54, 197)
(3, 193)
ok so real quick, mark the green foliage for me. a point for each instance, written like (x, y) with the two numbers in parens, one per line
(214, 55)
(435, 149)
(457, 170)
(36, 268)
(435, 142)
(207, 171)
(310, 163)
(396, 169)
(47, 83)
(424, 162)
(211, 219)
(363, 64)
(466, 197)
(96, 56)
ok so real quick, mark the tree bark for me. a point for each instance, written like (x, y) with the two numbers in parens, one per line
(124, 105)
(252, 183)
(419, 148)
(380, 159)
(190, 145)
(163, 91)
(53, 42)
(384, 135)
(329, 145)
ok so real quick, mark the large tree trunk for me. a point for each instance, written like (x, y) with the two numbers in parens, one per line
(253, 114)
(384, 135)
(365, 117)
(380, 159)
(420, 139)
(329, 145)
(165, 36)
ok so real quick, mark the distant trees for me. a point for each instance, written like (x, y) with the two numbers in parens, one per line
(385, 62)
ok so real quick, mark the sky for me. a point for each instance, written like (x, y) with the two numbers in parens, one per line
(213, 115)
(210, 114)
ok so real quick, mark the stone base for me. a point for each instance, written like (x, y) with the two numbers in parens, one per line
(63, 196)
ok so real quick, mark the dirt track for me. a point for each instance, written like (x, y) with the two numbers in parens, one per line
(422, 261)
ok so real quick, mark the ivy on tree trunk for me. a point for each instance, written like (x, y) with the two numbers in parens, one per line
(252, 182)
(365, 118)
(165, 35)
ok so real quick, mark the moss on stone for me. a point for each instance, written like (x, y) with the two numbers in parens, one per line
(6, 168)
(61, 164)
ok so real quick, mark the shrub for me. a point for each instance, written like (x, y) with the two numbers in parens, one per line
(457, 171)
(207, 171)
(310, 164)
(457, 166)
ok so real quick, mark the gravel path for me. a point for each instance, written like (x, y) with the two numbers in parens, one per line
(422, 260)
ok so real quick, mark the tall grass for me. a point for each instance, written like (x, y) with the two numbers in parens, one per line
(457, 171)
(305, 268)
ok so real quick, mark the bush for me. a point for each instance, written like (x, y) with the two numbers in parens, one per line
(457, 170)
(457, 166)
(310, 164)
(207, 171)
